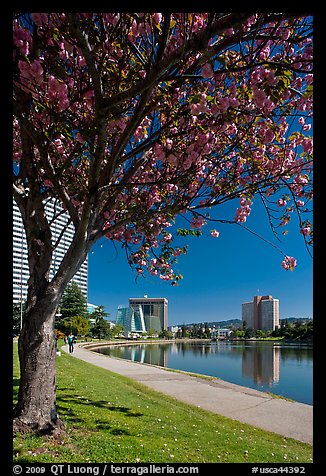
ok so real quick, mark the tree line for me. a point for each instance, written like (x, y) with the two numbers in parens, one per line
(74, 316)
(296, 330)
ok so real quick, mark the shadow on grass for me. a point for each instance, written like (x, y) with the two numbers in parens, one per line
(99, 404)
(65, 403)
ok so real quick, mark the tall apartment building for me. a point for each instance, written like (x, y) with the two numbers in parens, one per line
(144, 314)
(20, 261)
(262, 313)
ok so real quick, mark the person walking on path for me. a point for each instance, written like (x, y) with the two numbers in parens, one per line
(71, 341)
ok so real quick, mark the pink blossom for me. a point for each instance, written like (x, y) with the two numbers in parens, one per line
(167, 238)
(198, 108)
(245, 201)
(157, 17)
(243, 212)
(309, 78)
(229, 32)
(22, 39)
(89, 97)
(289, 263)
(39, 18)
(269, 136)
(269, 192)
(305, 231)
(172, 159)
(286, 33)
(271, 79)
(197, 222)
(207, 71)
(48, 183)
(281, 202)
(259, 97)
(31, 72)
(224, 103)
(223, 145)
(59, 146)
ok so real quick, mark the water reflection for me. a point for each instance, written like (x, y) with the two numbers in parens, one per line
(263, 366)
(155, 355)
(282, 369)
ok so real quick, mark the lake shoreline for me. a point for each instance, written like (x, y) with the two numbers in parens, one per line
(277, 366)
(107, 343)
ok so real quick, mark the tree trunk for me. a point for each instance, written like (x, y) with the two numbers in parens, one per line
(36, 407)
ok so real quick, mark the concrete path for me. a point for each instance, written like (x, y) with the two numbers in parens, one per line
(290, 419)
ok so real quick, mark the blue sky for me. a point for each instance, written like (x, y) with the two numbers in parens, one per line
(219, 273)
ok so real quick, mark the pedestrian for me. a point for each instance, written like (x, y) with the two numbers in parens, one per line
(71, 340)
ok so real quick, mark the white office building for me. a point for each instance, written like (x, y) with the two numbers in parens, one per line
(20, 262)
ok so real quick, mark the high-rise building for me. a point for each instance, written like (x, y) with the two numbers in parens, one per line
(61, 230)
(132, 319)
(155, 312)
(262, 313)
(144, 315)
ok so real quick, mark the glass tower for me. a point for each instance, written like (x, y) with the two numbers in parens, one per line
(132, 319)
(144, 315)
(155, 311)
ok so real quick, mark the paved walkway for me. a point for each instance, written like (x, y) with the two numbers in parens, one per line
(290, 419)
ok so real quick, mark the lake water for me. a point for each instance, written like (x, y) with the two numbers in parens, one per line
(282, 369)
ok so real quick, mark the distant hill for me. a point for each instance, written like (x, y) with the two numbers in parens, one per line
(291, 320)
(228, 323)
(238, 322)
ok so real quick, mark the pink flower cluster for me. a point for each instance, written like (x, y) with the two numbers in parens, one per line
(262, 101)
(289, 263)
(199, 142)
(58, 93)
(207, 71)
(244, 211)
(281, 202)
(197, 222)
(22, 39)
(305, 231)
(32, 73)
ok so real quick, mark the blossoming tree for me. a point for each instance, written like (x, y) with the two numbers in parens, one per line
(130, 119)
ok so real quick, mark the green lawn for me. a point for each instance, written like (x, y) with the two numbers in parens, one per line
(110, 418)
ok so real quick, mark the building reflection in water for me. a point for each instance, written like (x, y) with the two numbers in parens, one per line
(151, 354)
(280, 368)
(261, 365)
